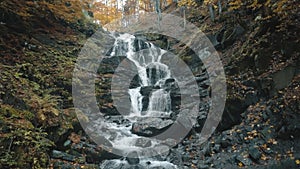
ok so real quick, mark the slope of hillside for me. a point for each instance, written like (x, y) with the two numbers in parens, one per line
(38, 51)
(260, 124)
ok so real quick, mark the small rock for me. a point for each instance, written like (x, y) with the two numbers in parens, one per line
(195, 161)
(185, 157)
(64, 156)
(217, 148)
(225, 143)
(67, 143)
(254, 153)
(208, 161)
(141, 142)
(132, 158)
(203, 166)
(245, 161)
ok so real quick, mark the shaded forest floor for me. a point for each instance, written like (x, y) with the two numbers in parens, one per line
(260, 127)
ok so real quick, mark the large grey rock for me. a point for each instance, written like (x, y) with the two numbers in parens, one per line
(65, 156)
(277, 81)
(143, 142)
(150, 126)
(284, 77)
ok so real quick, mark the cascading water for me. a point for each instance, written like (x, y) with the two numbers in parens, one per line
(136, 100)
(160, 101)
(152, 73)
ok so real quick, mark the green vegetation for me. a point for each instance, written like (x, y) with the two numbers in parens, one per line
(22, 144)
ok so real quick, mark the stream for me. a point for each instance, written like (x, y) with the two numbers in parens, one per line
(140, 150)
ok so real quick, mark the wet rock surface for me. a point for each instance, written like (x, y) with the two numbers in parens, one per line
(150, 126)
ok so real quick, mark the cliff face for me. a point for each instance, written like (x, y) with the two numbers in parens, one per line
(39, 45)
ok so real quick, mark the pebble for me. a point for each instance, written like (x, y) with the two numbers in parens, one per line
(245, 161)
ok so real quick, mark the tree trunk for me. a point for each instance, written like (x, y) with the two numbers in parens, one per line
(211, 12)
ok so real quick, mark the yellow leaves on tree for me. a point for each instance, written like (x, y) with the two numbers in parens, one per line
(106, 12)
(235, 4)
(110, 10)
(210, 2)
(277, 8)
(68, 10)
(284, 6)
(188, 3)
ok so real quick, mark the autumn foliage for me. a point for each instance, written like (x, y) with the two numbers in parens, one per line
(271, 8)
(67, 10)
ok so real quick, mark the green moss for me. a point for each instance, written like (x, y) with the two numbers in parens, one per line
(21, 144)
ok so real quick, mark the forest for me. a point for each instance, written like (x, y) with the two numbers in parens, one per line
(47, 121)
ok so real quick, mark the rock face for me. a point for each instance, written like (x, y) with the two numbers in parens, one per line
(150, 126)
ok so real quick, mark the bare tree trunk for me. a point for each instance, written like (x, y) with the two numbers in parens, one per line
(220, 7)
(137, 6)
(184, 18)
(211, 12)
(183, 14)
(158, 11)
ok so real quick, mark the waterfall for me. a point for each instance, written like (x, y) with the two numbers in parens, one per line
(160, 101)
(136, 100)
(153, 74)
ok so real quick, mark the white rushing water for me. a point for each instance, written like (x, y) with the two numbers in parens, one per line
(160, 101)
(151, 72)
(136, 101)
